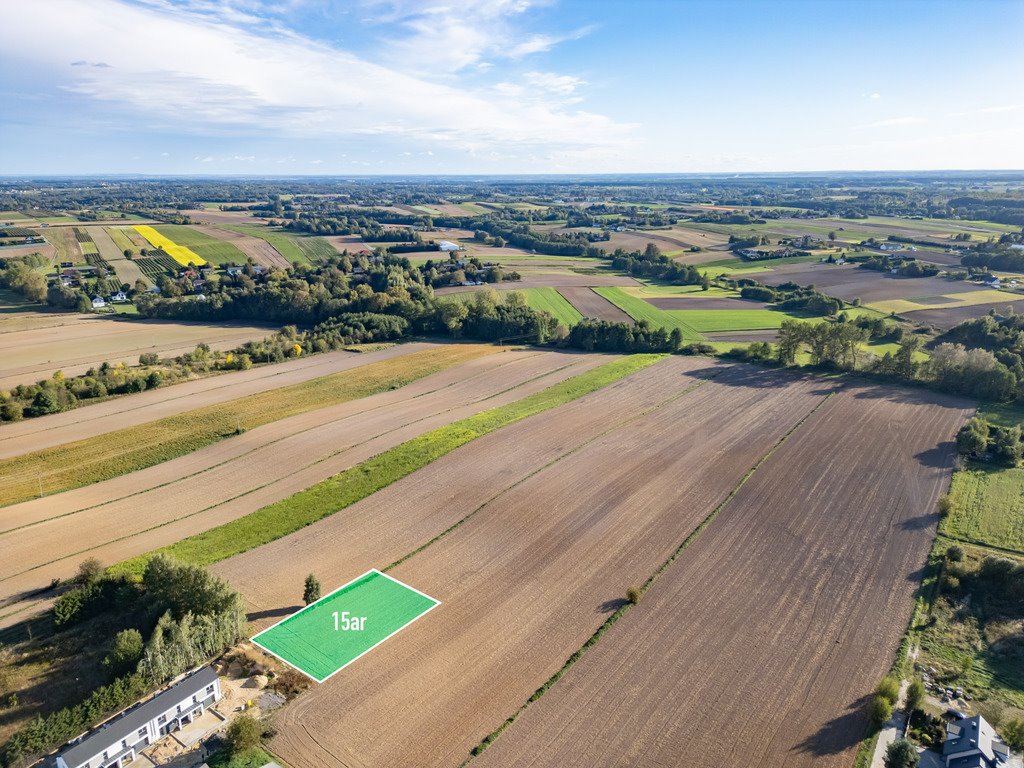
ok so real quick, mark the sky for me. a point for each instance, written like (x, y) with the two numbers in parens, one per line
(358, 87)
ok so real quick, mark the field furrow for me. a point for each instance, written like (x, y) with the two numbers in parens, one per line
(594, 306)
(771, 629)
(535, 568)
(136, 513)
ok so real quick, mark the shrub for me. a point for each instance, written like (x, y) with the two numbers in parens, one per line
(955, 554)
(915, 695)
(633, 595)
(12, 411)
(126, 652)
(89, 571)
(901, 754)
(149, 358)
(311, 592)
(243, 734)
(889, 689)
(1013, 734)
(879, 711)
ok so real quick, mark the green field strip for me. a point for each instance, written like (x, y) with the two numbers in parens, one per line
(315, 641)
(210, 248)
(87, 461)
(555, 304)
(306, 249)
(346, 488)
(623, 609)
(639, 309)
(987, 507)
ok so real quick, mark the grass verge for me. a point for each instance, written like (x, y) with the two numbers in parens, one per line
(346, 488)
(93, 459)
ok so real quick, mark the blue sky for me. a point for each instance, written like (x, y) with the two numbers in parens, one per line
(509, 86)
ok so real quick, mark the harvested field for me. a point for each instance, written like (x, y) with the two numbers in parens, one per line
(120, 413)
(534, 569)
(595, 306)
(947, 317)
(30, 355)
(14, 251)
(126, 271)
(795, 597)
(696, 301)
(66, 244)
(351, 243)
(552, 279)
(229, 479)
(744, 336)
(849, 282)
(208, 216)
(258, 250)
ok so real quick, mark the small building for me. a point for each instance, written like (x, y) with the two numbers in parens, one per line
(119, 297)
(890, 247)
(992, 282)
(973, 743)
(118, 741)
(98, 302)
(447, 246)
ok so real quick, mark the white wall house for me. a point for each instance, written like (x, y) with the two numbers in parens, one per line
(447, 245)
(118, 742)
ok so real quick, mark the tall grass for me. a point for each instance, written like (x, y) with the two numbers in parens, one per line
(346, 488)
(116, 453)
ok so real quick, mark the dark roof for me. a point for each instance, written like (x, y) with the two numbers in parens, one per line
(131, 720)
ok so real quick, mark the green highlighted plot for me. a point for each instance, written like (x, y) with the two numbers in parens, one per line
(328, 635)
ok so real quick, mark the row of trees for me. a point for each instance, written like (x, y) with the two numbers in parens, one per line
(981, 440)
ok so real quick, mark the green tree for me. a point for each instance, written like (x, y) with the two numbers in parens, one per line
(705, 281)
(125, 654)
(955, 553)
(1013, 734)
(889, 689)
(243, 735)
(89, 571)
(311, 592)
(879, 711)
(901, 754)
(43, 403)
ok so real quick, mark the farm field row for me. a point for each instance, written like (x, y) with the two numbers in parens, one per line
(85, 342)
(305, 249)
(77, 464)
(212, 486)
(554, 544)
(210, 249)
(795, 596)
(592, 305)
(126, 271)
(180, 253)
(119, 413)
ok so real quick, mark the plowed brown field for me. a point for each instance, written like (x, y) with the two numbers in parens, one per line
(126, 271)
(116, 519)
(258, 250)
(34, 354)
(530, 575)
(761, 643)
(593, 305)
(118, 413)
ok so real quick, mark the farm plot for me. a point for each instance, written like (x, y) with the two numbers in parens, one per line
(120, 413)
(180, 253)
(849, 282)
(795, 597)
(594, 306)
(232, 478)
(211, 249)
(34, 354)
(66, 244)
(126, 271)
(552, 279)
(947, 317)
(533, 572)
(305, 249)
(987, 507)
(260, 251)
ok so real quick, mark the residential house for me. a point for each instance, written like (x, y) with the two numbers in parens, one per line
(973, 743)
(118, 742)
(890, 247)
(992, 282)
(119, 297)
(98, 302)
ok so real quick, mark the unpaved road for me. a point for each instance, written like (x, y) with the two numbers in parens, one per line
(762, 642)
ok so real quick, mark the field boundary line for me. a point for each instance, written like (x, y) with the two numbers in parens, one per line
(982, 545)
(623, 609)
(211, 467)
(259, 487)
(576, 449)
(463, 432)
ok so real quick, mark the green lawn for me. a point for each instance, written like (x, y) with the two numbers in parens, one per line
(988, 507)
(639, 309)
(346, 488)
(306, 249)
(121, 239)
(210, 248)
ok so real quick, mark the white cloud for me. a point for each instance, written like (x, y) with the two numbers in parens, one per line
(896, 121)
(199, 74)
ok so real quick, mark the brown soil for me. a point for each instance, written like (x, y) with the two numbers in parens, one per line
(258, 250)
(699, 302)
(592, 304)
(530, 576)
(37, 353)
(126, 271)
(121, 412)
(135, 513)
(947, 318)
(743, 336)
(551, 279)
(761, 644)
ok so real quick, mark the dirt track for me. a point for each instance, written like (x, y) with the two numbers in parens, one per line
(760, 644)
(118, 413)
(531, 575)
(34, 354)
(134, 513)
(593, 305)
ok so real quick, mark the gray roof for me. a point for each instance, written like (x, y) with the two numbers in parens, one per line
(131, 720)
(973, 733)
